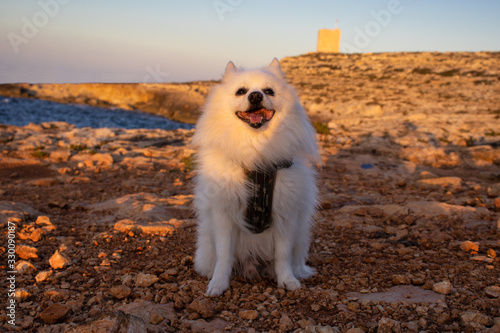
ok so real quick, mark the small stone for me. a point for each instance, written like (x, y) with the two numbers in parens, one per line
(105, 262)
(34, 235)
(58, 260)
(443, 318)
(286, 324)
(421, 310)
(443, 287)
(145, 280)
(387, 325)
(103, 159)
(442, 182)
(54, 313)
(27, 322)
(410, 327)
(492, 291)
(355, 330)
(315, 307)
(172, 271)
(203, 306)
(26, 252)
(353, 306)
(475, 317)
(322, 329)
(25, 267)
(45, 224)
(42, 276)
(155, 318)
(120, 292)
(469, 246)
(45, 182)
(497, 203)
(248, 314)
(400, 279)
(21, 294)
(187, 261)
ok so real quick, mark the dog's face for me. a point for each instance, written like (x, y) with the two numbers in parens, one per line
(255, 118)
(257, 96)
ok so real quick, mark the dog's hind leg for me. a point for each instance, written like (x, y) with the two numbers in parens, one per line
(224, 248)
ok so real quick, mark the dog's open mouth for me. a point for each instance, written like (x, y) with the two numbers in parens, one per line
(257, 117)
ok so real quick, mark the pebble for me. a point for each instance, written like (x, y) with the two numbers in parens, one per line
(442, 182)
(400, 279)
(54, 313)
(58, 261)
(25, 267)
(120, 292)
(145, 280)
(475, 317)
(44, 222)
(203, 306)
(171, 272)
(497, 204)
(248, 314)
(492, 291)
(42, 276)
(34, 235)
(387, 325)
(286, 324)
(469, 246)
(443, 287)
(21, 294)
(26, 252)
(155, 318)
(27, 322)
(322, 329)
(355, 330)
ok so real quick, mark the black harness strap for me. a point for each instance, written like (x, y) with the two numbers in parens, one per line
(260, 203)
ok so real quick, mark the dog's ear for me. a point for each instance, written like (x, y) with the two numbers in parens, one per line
(275, 67)
(230, 68)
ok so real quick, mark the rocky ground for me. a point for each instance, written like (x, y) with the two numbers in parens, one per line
(406, 239)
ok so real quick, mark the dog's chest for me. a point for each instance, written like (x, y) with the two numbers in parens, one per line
(260, 202)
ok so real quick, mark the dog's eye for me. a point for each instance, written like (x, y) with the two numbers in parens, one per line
(241, 91)
(269, 91)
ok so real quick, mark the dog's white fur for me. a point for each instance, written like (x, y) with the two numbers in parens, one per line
(226, 146)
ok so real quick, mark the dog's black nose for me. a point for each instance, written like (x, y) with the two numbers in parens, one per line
(255, 97)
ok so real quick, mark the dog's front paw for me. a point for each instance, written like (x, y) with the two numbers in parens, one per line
(216, 287)
(289, 283)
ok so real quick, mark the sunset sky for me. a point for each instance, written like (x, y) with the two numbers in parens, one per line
(174, 41)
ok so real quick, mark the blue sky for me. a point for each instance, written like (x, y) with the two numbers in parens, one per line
(174, 41)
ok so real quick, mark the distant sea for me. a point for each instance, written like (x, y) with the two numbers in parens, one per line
(22, 111)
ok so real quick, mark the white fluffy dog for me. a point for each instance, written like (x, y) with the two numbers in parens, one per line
(255, 188)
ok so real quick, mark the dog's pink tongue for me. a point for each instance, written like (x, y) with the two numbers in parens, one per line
(255, 117)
